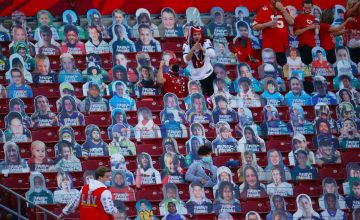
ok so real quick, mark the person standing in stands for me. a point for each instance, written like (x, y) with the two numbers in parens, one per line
(197, 52)
(305, 27)
(273, 19)
(94, 199)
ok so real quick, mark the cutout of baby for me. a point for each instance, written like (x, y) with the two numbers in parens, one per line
(39, 160)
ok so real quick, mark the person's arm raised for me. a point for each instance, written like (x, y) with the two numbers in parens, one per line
(286, 14)
(160, 74)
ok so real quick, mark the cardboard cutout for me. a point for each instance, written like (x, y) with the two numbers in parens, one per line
(272, 123)
(170, 146)
(345, 110)
(244, 70)
(321, 93)
(144, 210)
(69, 17)
(248, 158)
(45, 18)
(304, 208)
(172, 207)
(17, 61)
(66, 190)
(316, 11)
(20, 47)
(218, 28)
(120, 74)
(339, 12)
(274, 157)
(303, 171)
(320, 66)
(243, 29)
(66, 133)
(39, 160)
(42, 73)
(192, 147)
(66, 89)
(94, 102)
(251, 140)
(69, 114)
(119, 18)
(220, 88)
(222, 110)
(252, 215)
(198, 111)
(198, 203)
(17, 105)
(349, 135)
(269, 69)
(147, 82)
(242, 14)
(332, 206)
(149, 175)
(120, 189)
(222, 74)
(278, 184)
(245, 118)
(43, 117)
(352, 171)
(12, 163)
(297, 95)
(226, 201)
(170, 192)
(94, 144)
(69, 72)
(94, 19)
(146, 127)
(342, 54)
(66, 161)
(120, 42)
(246, 96)
(173, 173)
(322, 111)
(118, 116)
(271, 94)
(88, 175)
(71, 43)
(146, 41)
(169, 26)
(329, 185)
(223, 54)
(224, 174)
(15, 128)
(193, 18)
(4, 61)
(251, 188)
(121, 143)
(278, 204)
(96, 44)
(121, 97)
(346, 95)
(18, 88)
(344, 76)
(224, 142)
(326, 152)
(171, 105)
(298, 123)
(4, 34)
(18, 18)
(299, 142)
(46, 44)
(293, 39)
(294, 65)
(143, 17)
(193, 87)
(118, 163)
(38, 193)
(2, 137)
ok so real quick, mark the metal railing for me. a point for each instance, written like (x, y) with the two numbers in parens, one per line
(19, 197)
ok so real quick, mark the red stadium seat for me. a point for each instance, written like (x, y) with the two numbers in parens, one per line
(350, 155)
(336, 171)
(153, 193)
(258, 205)
(152, 149)
(92, 163)
(16, 181)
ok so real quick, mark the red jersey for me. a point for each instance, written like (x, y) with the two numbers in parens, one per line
(352, 33)
(126, 194)
(274, 38)
(90, 204)
(308, 37)
(326, 38)
(175, 84)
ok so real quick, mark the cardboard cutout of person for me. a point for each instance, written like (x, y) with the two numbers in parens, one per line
(20, 30)
(246, 96)
(42, 73)
(278, 184)
(221, 88)
(222, 110)
(223, 54)
(147, 81)
(170, 192)
(120, 188)
(120, 143)
(43, 116)
(248, 158)
(94, 102)
(297, 95)
(96, 43)
(119, 17)
(17, 62)
(143, 17)
(251, 187)
(269, 69)
(146, 41)
(13, 163)
(94, 145)
(144, 210)
(252, 215)
(39, 160)
(2, 137)
(198, 111)
(198, 202)
(343, 71)
(146, 127)
(245, 118)
(320, 66)
(346, 95)
(293, 39)
(69, 114)
(242, 14)
(118, 116)
(66, 89)
(193, 18)
(173, 173)
(224, 142)
(17, 105)
(304, 208)
(120, 42)
(170, 145)
(118, 163)
(278, 204)
(66, 190)
(326, 152)
(94, 60)
(72, 44)
(316, 11)
(298, 123)
(251, 141)
(94, 19)
(69, 72)
(192, 147)
(88, 175)
(149, 175)
(294, 65)
(169, 26)
(299, 142)
(18, 87)
(4, 61)
(21, 48)
(66, 160)
(121, 97)
(352, 200)
(322, 111)
(274, 157)
(46, 44)
(349, 135)
(243, 29)
(224, 174)
(244, 70)
(271, 94)
(66, 133)
(321, 93)
(329, 185)
(342, 55)
(70, 17)
(38, 193)
(171, 105)
(15, 129)
(226, 200)
(352, 171)
(303, 171)
(45, 18)
(272, 124)
(218, 27)
(172, 206)
(332, 208)
(172, 128)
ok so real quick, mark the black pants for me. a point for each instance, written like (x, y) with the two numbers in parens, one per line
(305, 53)
(207, 84)
(330, 56)
(355, 54)
(281, 58)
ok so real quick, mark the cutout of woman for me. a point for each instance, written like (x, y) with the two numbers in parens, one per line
(149, 175)
(121, 144)
(244, 70)
(39, 160)
(224, 174)
(17, 62)
(218, 28)
(120, 42)
(66, 161)
(120, 189)
(224, 142)
(347, 95)
(222, 74)
(13, 163)
(118, 163)
(170, 191)
(121, 97)
(198, 203)
(15, 129)
(305, 209)
(198, 111)
(17, 105)
(222, 110)
(278, 204)
(302, 171)
(252, 187)
(248, 158)
(226, 200)
(38, 193)
(332, 209)
(251, 140)
(66, 89)
(69, 114)
(18, 87)
(271, 94)
(143, 17)
(297, 95)
(45, 18)
(169, 26)
(326, 152)
(66, 133)
(272, 124)
(221, 88)
(298, 123)
(94, 145)
(274, 157)
(146, 127)
(299, 142)
(170, 145)
(173, 173)
(278, 185)
(66, 190)
(329, 185)
(43, 116)
(252, 215)
(69, 17)
(246, 96)
(352, 171)
(118, 116)
(349, 135)
(144, 210)
(320, 66)
(193, 87)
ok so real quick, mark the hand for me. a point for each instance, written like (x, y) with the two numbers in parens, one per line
(273, 23)
(351, 19)
(279, 6)
(139, 84)
(197, 46)
(60, 216)
(162, 64)
(311, 27)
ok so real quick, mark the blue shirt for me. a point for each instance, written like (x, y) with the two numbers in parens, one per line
(23, 91)
(127, 104)
(329, 99)
(70, 77)
(291, 99)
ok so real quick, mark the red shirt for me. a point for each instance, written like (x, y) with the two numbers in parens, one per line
(274, 38)
(308, 37)
(352, 33)
(175, 84)
(242, 53)
(326, 38)
(90, 204)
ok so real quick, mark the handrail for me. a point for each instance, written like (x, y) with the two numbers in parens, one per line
(18, 196)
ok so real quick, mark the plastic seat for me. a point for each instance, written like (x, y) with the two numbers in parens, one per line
(336, 171)
(152, 149)
(151, 192)
(258, 205)
(49, 92)
(257, 113)
(350, 155)
(98, 118)
(92, 163)
(46, 134)
(16, 181)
